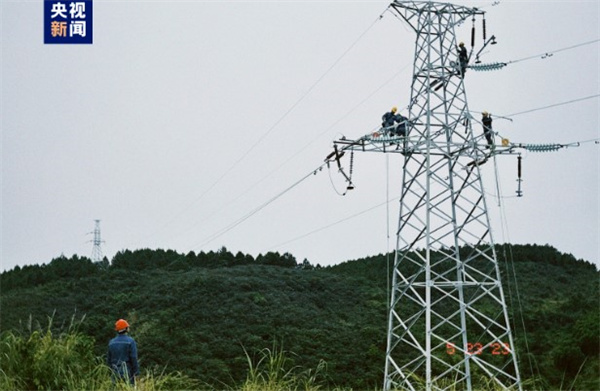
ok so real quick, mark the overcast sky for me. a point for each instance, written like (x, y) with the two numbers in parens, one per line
(184, 117)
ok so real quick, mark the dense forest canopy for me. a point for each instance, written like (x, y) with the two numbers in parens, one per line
(199, 312)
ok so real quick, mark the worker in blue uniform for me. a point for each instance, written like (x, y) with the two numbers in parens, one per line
(402, 125)
(488, 132)
(391, 119)
(463, 59)
(122, 355)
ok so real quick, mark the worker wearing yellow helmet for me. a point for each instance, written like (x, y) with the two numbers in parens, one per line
(122, 354)
(394, 124)
(389, 117)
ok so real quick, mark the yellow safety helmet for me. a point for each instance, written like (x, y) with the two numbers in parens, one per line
(485, 113)
(394, 109)
(461, 44)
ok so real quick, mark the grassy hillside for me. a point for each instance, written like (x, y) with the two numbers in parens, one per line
(199, 313)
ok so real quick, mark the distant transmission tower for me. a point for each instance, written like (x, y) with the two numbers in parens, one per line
(97, 241)
(448, 325)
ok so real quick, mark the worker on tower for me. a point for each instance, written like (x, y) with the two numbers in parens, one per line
(122, 354)
(488, 132)
(463, 59)
(394, 123)
(389, 118)
(402, 125)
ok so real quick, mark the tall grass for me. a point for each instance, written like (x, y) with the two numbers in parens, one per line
(42, 360)
(274, 370)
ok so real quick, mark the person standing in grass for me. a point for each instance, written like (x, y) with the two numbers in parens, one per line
(122, 354)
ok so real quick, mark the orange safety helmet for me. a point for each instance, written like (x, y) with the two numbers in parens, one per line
(121, 325)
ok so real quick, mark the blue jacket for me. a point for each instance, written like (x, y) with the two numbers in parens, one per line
(487, 123)
(122, 357)
(388, 119)
(463, 57)
(402, 121)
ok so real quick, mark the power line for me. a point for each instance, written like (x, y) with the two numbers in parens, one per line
(261, 138)
(335, 223)
(500, 65)
(312, 87)
(280, 166)
(550, 54)
(257, 209)
(554, 105)
(507, 240)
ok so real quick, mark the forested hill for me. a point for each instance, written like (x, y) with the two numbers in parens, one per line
(198, 312)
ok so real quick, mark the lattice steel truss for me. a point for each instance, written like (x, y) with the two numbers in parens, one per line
(97, 241)
(448, 322)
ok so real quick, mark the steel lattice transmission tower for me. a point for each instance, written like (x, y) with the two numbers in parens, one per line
(448, 322)
(97, 242)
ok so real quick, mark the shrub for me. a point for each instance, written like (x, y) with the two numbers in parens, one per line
(43, 360)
